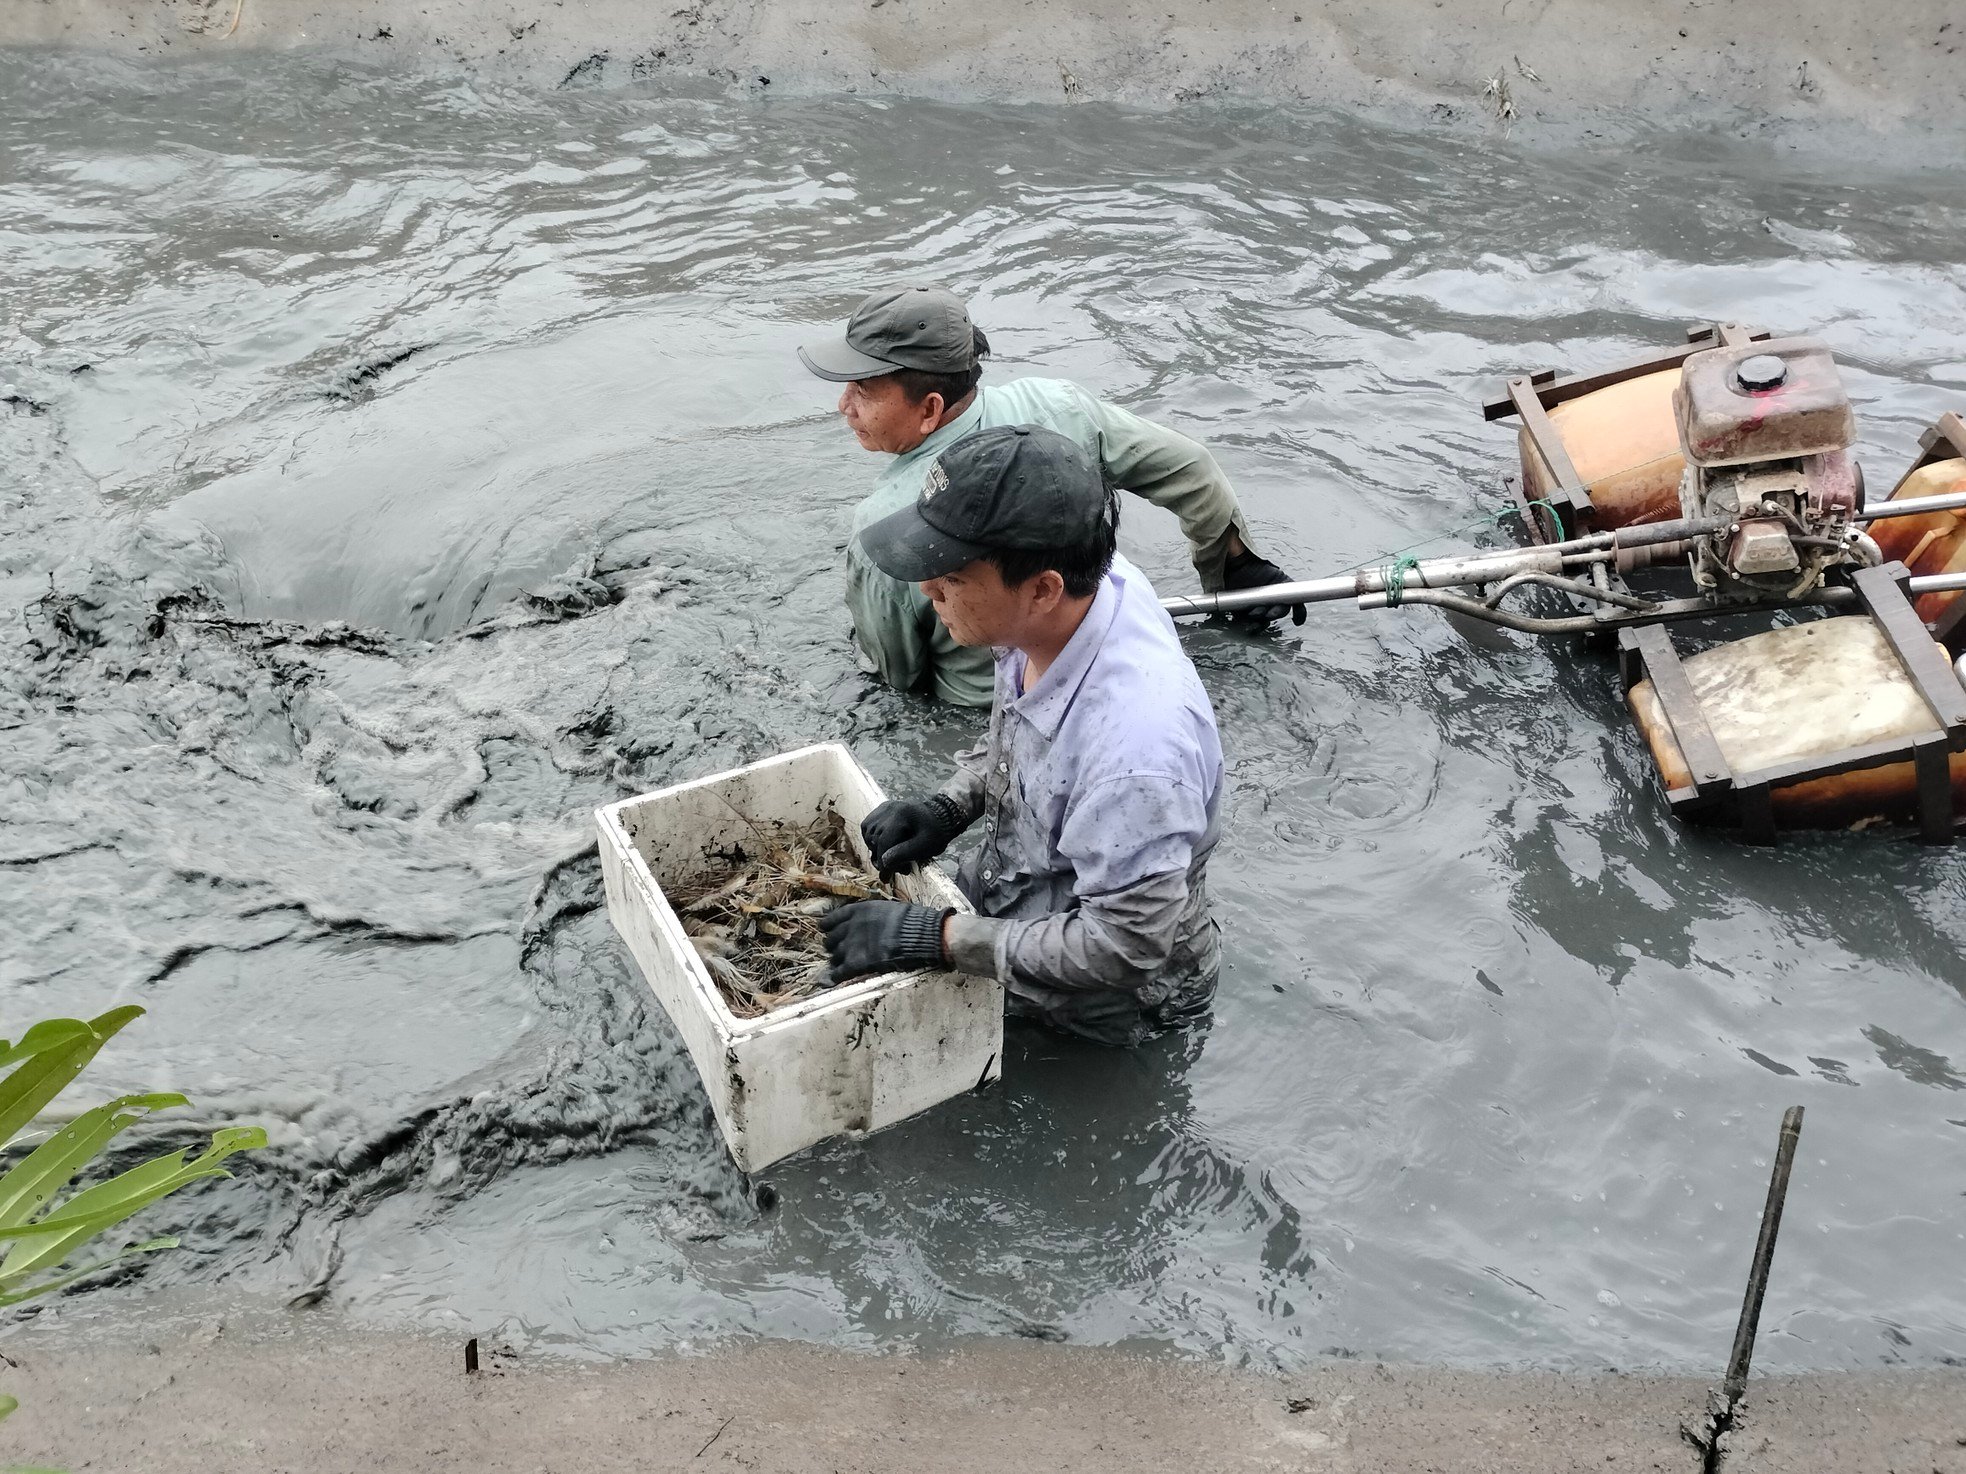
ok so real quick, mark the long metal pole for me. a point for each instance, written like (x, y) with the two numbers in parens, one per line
(1310, 591)
(1912, 506)
(1764, 1254)
(1474, 568)
(1449, 572)
(1347, 586)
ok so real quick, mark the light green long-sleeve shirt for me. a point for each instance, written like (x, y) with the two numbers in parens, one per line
(894, 624)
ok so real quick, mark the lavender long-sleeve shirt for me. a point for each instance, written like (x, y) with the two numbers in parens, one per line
(1100, 792)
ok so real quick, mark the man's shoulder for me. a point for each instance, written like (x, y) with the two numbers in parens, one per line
(897, 486)
(1036, 401)
(1143, 685)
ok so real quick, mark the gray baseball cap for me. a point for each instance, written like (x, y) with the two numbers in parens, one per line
(910, 327)
(1010, 486)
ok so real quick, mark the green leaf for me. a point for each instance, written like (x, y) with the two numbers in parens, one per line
(50, 1166)
(14, 1297)
(7, 1404)
(109, 1203)
(42, 1063)
(44, 1035)
(57, 1059)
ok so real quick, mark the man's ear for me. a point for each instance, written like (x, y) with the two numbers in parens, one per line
(931, 410)
(1050, 590)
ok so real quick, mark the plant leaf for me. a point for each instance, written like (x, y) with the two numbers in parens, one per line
(7, 1405)
(50, 1166)
(44, 1035)
(42, 1075)
(14, 1297)
(107, 1204)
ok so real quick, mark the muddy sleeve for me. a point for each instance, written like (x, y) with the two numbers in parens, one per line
(893, 623)
(965, 785)
(1172, 471)
(1130, 842)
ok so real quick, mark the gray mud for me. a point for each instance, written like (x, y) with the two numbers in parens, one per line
(393, 469)
(1819, 75)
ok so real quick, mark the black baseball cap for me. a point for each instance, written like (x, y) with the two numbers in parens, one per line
(1010, 486)
(911, 327)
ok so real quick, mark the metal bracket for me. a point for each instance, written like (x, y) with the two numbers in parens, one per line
(1646, 652)
(1945, 441)
(1530, 397)
(1933, 764)
(1882, 592)
(1551, 390)
(1569, 493)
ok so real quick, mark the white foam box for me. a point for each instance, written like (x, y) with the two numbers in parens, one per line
(854, 1059)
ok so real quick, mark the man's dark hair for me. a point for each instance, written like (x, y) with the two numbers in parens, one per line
(1081, 565)
(918, 384)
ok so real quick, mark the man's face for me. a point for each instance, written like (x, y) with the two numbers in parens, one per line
(979, 608)
(883, 418)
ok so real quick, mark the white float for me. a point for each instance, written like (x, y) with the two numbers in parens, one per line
(855, 1059)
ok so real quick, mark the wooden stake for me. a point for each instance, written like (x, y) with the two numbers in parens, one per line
(1764, 1254)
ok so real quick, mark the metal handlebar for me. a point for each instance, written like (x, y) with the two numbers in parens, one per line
(1397, 578)
(1431, 581)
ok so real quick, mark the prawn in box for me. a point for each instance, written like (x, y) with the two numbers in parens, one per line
(714, 886)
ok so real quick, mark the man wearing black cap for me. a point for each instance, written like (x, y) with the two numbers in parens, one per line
(911, 362)
(1099, 784)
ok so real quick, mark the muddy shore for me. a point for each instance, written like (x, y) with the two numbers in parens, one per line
(213, 1389)
(1568, 65)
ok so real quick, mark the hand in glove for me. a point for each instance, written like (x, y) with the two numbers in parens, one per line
(881, 936)
(903, 833)
(1247, 570)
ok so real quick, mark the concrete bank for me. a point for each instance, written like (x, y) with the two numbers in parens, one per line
(1566, 64)
(219, 1391)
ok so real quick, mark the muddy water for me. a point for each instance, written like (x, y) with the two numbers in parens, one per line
(394, 470)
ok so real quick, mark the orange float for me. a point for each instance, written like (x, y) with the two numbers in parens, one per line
(1935, 543)
(1624, 444)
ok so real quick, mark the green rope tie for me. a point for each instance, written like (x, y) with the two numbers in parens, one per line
(1395, 576)
(1405, 560)
(1543, 502)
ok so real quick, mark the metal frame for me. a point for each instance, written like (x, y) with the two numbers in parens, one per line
(1647, 652)
(1530, 397)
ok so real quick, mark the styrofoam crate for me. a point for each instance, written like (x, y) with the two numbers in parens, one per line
(854, 1059)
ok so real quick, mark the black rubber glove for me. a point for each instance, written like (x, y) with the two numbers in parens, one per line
(1247, 570)
(906, 832)
(881, 936)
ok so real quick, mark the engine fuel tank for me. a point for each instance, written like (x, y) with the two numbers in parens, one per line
(1770, 401)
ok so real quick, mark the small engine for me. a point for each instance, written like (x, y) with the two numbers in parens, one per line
(1767, 428)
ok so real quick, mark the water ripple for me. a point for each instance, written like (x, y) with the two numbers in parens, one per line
(412, 466)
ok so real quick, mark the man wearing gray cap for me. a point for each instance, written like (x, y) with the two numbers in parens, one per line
(1099, 785)
(911, 362)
